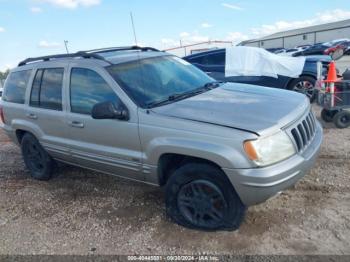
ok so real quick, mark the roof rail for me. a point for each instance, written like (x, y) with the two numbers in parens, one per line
(125, 48)
(48, 58)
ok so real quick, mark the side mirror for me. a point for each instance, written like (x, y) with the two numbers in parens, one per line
(110, 110)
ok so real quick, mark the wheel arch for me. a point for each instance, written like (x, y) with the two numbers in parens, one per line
(303, 74)
(169, 162)
(21, 127)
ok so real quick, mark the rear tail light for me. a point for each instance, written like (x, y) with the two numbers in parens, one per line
(2, 117)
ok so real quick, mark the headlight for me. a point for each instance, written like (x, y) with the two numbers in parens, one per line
(269, 150)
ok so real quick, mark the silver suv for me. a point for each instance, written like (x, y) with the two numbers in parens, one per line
(152, 117)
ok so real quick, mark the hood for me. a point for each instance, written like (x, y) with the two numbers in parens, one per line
(316, 58)
(256, 109)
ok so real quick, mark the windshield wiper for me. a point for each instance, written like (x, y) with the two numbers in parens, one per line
(176, 97)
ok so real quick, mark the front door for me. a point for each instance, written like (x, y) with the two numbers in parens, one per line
(111, 146)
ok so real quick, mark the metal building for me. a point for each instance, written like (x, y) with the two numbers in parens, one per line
(184, 50)
(302, 36)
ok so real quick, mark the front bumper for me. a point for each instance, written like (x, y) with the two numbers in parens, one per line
(256, 185)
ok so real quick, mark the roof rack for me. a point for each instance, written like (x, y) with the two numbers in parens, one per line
(125, 48)
(48, 58)
(87, 54)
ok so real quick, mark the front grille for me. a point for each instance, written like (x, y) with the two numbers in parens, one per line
(304, 131)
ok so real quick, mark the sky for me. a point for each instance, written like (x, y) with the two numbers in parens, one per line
(39, 27)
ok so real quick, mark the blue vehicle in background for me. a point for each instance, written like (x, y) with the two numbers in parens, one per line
(213, 63)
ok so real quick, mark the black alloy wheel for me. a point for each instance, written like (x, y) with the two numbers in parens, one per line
(202, 203)
(36, 159)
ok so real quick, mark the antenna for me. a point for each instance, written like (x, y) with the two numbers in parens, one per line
(66, 45)
(133, 27)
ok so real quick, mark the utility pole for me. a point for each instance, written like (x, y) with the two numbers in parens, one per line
(133, 27)
(181, 45)
(66, 45)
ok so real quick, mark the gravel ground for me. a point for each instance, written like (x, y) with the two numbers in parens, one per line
(82, 212)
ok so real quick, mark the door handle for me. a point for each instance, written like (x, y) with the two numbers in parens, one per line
(32, 116)
(76, 124)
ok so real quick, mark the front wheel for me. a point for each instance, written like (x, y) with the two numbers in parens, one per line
(304, 85)
(200, 196)
(342, 119)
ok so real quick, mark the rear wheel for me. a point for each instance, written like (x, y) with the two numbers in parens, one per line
(327, 115)
(304, 85)
(200, 196)
(342, 119)
(36, 159)
(337, 54)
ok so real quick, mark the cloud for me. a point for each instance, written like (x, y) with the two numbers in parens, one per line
(186, 39)
(206, 25)
(5, 67)
(256, 32)
(2, 29)
(72, 4)
(46, 44)
(184, 34)
(320, 18)
(236, 37)
(36, 9)
(231, 6)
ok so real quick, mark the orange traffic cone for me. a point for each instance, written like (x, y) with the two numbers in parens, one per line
(332, 74)
(332, 78)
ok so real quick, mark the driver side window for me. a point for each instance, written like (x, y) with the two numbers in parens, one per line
(88, 88)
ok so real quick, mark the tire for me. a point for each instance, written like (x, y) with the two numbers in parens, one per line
(342, 119)
(337, 54)
(36, 159)
(327, 115)
(200, 196)
(304, 85)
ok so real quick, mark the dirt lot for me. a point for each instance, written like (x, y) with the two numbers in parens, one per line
(81, 212)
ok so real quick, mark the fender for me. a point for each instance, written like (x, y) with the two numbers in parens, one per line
(20, 124)
(224, 156)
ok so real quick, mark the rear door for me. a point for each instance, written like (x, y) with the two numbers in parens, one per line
(112, 146)
(45, 110)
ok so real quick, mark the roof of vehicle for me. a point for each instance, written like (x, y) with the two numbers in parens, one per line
(219, 50)
(315, 58)
(113, 55)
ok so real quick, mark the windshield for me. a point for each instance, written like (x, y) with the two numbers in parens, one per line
(154, 79)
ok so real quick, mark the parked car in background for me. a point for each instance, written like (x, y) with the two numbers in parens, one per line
(335, 49)
(347, 45)
(152, 117)
(274, 50)
(291, 51)
(213, 63)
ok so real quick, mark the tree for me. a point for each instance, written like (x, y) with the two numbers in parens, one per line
(3, 75)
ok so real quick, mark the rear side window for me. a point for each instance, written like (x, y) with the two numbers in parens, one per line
(15, 87)
(211, 59)
(88, 88)
(47, 89)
